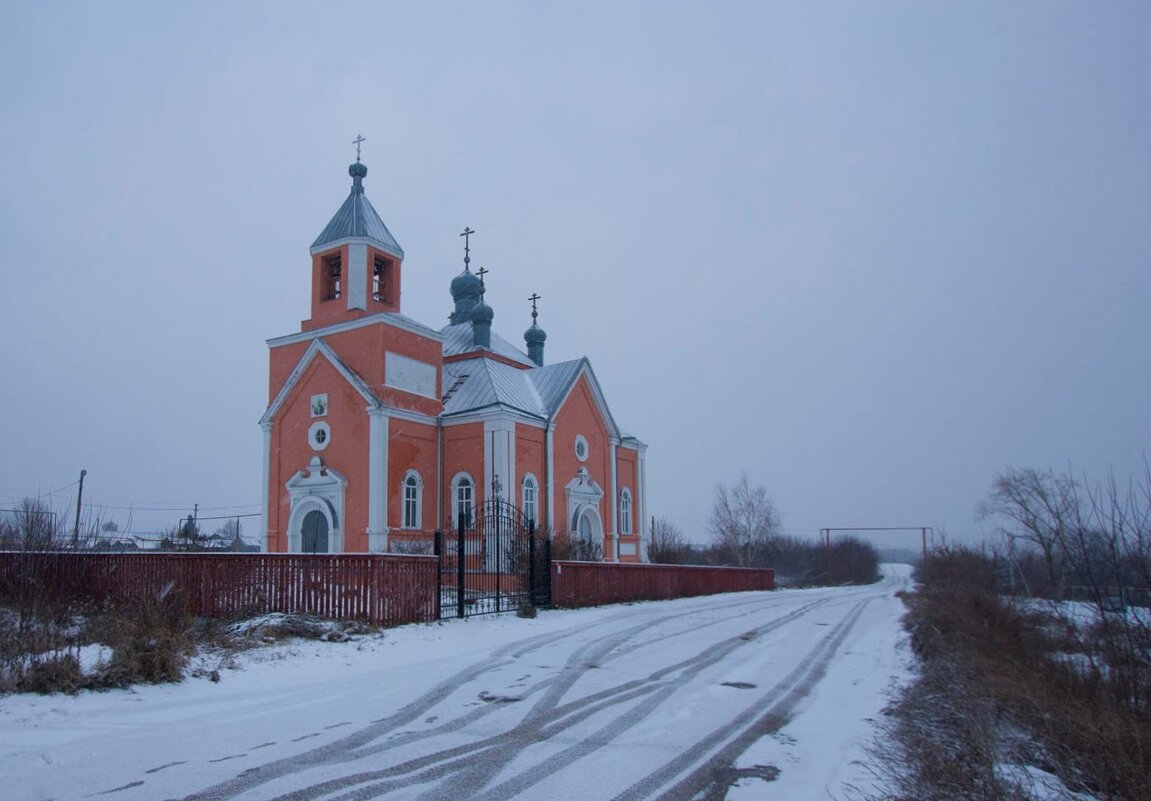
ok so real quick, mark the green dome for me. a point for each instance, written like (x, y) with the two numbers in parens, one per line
(465, 285)
(535, 334)
(482, 313)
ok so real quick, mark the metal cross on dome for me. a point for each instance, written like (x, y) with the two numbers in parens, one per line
(357, 142)
(467, 234)
(481, 273)
(533, 299)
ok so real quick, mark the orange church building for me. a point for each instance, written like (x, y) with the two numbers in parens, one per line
(381, 430)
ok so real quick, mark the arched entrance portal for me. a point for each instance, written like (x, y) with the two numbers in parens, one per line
(587, 536)
(314, 533)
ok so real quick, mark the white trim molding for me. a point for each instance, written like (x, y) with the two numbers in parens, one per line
(378, 425)
(265, 484)
(317, 488)
(394, 319)
(455, 513)
(417, 482)
(529, 480)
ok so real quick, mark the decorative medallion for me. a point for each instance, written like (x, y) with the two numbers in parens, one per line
(319, 435)
(581, 449)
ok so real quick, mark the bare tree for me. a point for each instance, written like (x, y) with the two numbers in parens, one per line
(1095, 540)
(31, 526)
(744, 523)
(1042, 508)
(667, 544)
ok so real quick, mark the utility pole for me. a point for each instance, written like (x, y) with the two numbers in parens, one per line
(79, 498)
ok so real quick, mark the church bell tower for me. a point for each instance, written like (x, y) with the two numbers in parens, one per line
(356, 261)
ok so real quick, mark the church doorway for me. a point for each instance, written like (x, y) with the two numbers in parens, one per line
(314, 533)
(587, 526)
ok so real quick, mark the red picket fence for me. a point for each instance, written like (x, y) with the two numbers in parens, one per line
(382, 589)
(594, 583)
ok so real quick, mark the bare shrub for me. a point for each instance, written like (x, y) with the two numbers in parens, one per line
(1005, 683)
(577, 548)
(410, 547)
(56, 672)
(667, 544)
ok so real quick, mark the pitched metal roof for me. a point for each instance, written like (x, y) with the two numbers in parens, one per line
(481, 383)
(358, 219)
(459, 339)
(554, 380)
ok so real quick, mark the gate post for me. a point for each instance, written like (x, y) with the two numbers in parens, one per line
(499, 552)
(438, 550)
(461, 555)
(532, 562)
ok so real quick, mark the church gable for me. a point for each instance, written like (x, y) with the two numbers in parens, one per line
(318, 349)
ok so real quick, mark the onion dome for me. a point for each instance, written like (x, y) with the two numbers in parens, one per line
(535, 335)
(465, 286)
(482, 313)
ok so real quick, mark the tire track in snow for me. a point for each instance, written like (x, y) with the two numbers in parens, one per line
(768, 714)
(460, 771)
(363, 742)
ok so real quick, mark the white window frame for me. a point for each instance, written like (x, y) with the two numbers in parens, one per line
(457, 481)
(532, 484)
(413, 481)
(625, 504)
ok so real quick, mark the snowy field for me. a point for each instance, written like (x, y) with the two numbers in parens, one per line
(743, 696)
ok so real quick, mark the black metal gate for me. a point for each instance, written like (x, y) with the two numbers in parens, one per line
(492, 562)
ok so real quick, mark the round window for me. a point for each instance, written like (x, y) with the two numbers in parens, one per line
(319, 435)
(581, 448)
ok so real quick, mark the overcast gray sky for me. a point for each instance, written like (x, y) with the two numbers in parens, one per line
(871, 253)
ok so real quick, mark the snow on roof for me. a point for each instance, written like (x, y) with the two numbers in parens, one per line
(481, 383)
(553, 381)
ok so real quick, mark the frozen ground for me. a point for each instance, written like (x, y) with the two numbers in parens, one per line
(748, 695)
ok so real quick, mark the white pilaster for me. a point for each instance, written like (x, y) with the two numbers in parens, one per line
(500, 458)
(357, 287)
(641, 506)
(377, 480)
(265, 486)
(551, 475)
(614, 502)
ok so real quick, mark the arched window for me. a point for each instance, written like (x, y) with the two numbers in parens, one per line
(413, 489)
(530, 497)
(463, 499)
(625, 511)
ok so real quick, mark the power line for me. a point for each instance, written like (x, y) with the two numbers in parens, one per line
(230, 517)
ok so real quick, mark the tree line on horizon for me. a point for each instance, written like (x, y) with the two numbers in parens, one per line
(746, 531)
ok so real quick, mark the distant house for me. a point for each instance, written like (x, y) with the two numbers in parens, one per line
(380, 430)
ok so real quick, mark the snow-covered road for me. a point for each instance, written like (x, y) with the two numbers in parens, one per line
(749, 695)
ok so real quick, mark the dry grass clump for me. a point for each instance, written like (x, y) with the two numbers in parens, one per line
(150, 641)
(1004, 686)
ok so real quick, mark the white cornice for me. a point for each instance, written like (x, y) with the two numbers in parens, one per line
(492, 413)
(409, 415)
(387, 318)
(355, 240)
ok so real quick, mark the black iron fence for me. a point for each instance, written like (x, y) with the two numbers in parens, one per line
(492, 562)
